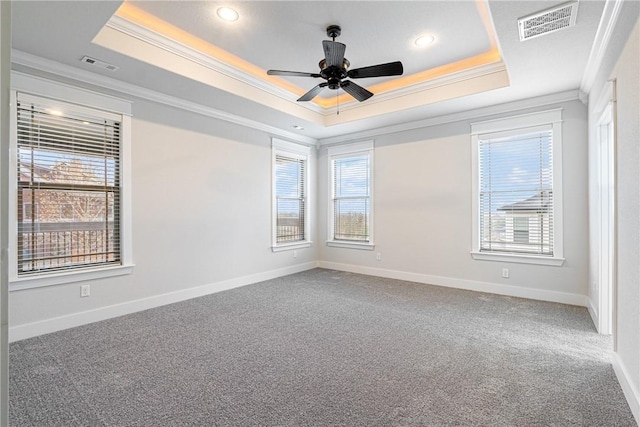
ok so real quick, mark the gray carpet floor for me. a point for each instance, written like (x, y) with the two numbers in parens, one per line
(324, 348)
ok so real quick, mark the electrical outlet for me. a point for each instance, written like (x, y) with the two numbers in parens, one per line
(85, 290)
(379, 256)
(505, 273)
(295, 254)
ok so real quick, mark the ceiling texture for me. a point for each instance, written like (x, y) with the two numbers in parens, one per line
(183, 51)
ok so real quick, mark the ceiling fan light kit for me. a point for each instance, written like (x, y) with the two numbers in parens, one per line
(334, 68)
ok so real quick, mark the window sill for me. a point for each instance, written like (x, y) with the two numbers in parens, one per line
(518, 258)
(351, 245)
(48, 279)
(291, 246)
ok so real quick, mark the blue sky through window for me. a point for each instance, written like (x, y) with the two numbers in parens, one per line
(352, 183)
(514, 169)
(289, 185)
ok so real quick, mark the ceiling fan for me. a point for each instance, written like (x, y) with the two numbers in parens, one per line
(334, 68)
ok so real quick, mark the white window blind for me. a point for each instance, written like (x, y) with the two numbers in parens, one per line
(516, 191)
(290, 198)
(69, 184)
(351, 197)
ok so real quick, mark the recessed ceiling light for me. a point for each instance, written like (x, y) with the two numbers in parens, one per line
(55, 112)
(425, 40)
(227, 14)
(296, 127)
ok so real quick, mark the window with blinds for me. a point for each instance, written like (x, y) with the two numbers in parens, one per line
(516, 191)
(289, 195)
(69, 183)
(351, 180)
(290, 198)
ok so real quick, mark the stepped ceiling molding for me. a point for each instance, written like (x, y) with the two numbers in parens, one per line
(182, 49)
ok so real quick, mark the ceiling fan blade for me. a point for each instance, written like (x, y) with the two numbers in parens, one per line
(312, 93)
(333, 53)
(358, 92)
(381, 70)
(291, 73)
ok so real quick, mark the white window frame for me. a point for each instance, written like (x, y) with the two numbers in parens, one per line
(295, 151)
(509, 125)
(343, 151)
(83, 98)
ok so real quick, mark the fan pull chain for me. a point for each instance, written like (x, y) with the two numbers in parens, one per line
(337, 104)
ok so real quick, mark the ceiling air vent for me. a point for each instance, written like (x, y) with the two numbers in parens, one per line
(98, 63)
(548, 21)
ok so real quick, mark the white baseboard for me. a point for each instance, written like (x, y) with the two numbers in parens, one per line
(471, 285)
(593, 312)
(20, 332)
(629, 389)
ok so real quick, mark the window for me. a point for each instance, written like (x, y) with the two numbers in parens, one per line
(350, 221)
(290, 202)
(70, 165)
(517, 203)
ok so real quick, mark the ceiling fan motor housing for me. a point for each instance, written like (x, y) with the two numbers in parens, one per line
(333, 74)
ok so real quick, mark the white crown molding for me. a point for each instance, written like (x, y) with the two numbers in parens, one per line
(601, 42)
(450, 79)
(66, 71)
(584, 97)
(508, 107)
(158, 40)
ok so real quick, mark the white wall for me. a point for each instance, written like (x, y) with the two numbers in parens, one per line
(423, 222)
(622, 63)
(201, 222)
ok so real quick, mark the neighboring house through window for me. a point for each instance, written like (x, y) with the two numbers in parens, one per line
(70, 164)
(351, 180)
(520, 229)
(517, 205)
(290, 195)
